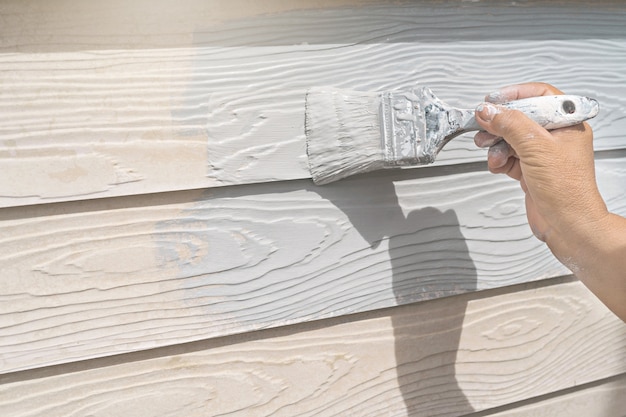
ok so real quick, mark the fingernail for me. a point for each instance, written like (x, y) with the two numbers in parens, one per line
(503, 95)
(499, 154)
(495, 97)
(487, 111)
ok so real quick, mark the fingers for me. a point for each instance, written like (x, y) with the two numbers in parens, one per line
(501, 158)
(519, 91)
(498, 156)
(514, 126)
(484, 139)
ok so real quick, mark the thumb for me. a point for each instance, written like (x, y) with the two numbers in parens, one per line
(522, 133)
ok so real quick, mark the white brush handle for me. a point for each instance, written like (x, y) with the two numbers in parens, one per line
(551, 112)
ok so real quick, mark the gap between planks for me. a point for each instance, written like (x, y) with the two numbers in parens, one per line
(279, 331)
(257, 257)
(192, 194)
(441, 358)
(531, 406)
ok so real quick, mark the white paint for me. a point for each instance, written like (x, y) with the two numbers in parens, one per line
(343, 133)
(227, 106)
(553, 112)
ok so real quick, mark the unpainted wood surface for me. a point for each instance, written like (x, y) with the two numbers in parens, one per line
(127, 109)
(69, 25)
(93, 278)
(449, 357)
(606, 399)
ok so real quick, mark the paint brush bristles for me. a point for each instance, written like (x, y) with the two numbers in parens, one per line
(343, 133)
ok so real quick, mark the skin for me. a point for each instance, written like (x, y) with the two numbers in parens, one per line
(557, 174)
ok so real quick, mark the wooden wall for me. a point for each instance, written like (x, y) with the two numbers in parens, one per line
(164, 252)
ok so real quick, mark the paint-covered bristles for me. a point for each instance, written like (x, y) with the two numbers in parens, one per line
(343, 133)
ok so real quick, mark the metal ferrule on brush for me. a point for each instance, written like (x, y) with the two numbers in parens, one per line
(403, 130)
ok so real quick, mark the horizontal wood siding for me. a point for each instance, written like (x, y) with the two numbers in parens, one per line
(85, 280)
(603, 399)
(164, 252)
(224, 104)
(445, 358)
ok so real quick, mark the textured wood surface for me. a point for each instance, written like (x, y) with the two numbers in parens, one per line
(68, 25)
(106, 113)
(607, 399)
(93, 278)
(449, 357)
(240, 293)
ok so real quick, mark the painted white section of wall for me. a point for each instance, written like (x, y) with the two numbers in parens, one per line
(225, 104)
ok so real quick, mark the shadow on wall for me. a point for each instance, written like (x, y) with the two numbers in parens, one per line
(429, 259)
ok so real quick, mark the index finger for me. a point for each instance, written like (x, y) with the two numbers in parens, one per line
(519, 91)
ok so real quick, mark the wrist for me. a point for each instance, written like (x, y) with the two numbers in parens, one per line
(589, 247)
(599, 261)
(579, 241)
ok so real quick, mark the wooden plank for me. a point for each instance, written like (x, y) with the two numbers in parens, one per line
(94, 278)
(449, 357)
(607, 399)
(69, 25)
(223, 103)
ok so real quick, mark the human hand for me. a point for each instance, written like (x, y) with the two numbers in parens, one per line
(563, 205)
(555, 168)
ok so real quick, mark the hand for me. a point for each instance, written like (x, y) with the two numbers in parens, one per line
(563, 205)
(555, 168)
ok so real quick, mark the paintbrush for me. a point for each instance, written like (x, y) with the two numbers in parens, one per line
(352, 132)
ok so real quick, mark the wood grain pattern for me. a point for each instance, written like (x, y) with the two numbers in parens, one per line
(450, 357)
(223, 103)
(95, 278)
(67, 25)
(150, 305)
(601, 400)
